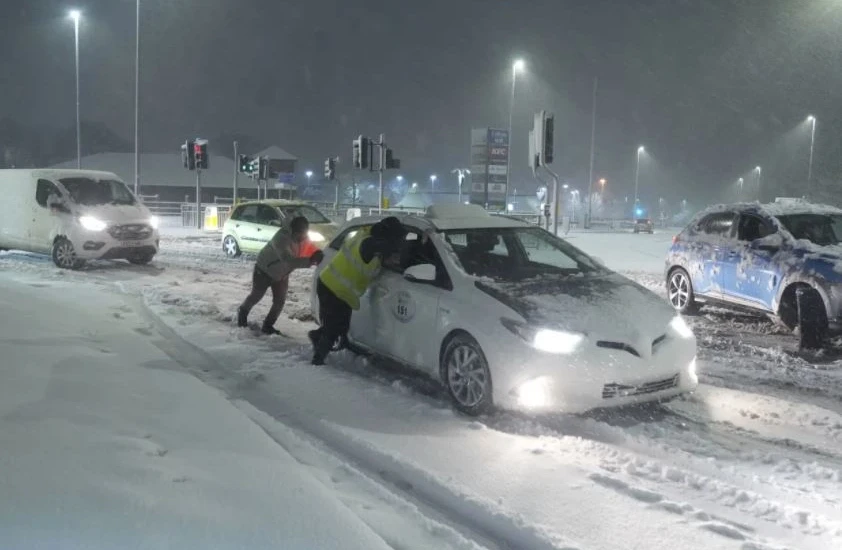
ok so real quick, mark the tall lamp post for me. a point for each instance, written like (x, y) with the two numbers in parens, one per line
(811, 119)
(137, 100)
(640, 151)
(740, 181)
(75, 15)
(759, 171)
(460, 174)
(517, 66)
(433, 183)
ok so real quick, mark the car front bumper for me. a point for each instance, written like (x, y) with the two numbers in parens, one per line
(595, 378)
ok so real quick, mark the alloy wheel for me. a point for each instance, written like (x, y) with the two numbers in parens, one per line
(467, 376)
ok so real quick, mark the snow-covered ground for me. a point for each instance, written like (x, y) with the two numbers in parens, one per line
(753, 460)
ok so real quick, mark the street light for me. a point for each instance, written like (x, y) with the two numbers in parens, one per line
(811, 119)
(400, 178)
(740, 181)
(460, 174)
(517, 67)
(75, 15)
(640, 151)
(309, 174)
(137, 100)
(602, 183)
(433, 182)
(759, 171)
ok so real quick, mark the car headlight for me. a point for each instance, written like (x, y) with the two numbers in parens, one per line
(546, 340)
(91, 223)
(680, 327)
(315, 236)
(154, 221)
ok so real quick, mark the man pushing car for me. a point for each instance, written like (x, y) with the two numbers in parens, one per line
(347, 276)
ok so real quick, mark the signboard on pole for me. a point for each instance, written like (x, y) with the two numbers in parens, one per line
(489, 167)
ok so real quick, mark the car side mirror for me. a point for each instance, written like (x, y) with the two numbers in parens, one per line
(422, 273)
(276, 223)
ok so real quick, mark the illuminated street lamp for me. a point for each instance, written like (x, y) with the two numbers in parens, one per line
(517, 67)
(812, 120)
(433, 179)
(759, 171)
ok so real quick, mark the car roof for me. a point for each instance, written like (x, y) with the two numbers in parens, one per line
(447, 217)
(774, 209)
(56, 173)
(277, 202)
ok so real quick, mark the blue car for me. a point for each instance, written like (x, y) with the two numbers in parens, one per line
(755, 256)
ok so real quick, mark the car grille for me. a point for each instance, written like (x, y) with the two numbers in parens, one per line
(621, 390)
(618, 346)
(130, 232)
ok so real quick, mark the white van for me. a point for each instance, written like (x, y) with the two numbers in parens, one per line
(75, 215)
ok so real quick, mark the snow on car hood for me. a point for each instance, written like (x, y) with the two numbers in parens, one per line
(116, 213)
(604, 306)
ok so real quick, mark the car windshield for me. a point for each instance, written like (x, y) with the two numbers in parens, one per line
(820, 229)
(95, 192)
(516, 253)
(312, 215)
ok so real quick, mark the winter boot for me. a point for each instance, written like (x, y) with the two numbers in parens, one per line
(272, 331)
(242, 318)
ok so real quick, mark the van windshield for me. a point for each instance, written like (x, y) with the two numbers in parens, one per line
(93, 192)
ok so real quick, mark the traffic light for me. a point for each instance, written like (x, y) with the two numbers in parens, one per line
(263, 168)
(330, 169)
(391, 162)
(244, 164)
(362, 147)
(543, 135)
(200, 152)
(549, 124)
(188, 154)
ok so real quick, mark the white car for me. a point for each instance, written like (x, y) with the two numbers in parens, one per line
(506, 315)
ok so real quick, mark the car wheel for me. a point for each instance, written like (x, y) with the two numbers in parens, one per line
(230, 247)
(64, 255)
(466, 375)
(141, 260)
(680, 291)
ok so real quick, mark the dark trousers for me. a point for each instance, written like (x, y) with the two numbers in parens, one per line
(260, 283)
(335, 317)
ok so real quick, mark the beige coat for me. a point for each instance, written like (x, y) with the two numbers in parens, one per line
(280, 256)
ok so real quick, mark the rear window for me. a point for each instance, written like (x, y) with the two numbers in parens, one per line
(719, 225)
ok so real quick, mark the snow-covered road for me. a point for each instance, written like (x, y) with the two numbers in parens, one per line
(752, 460)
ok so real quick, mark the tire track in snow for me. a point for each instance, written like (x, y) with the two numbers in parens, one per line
(473, 517)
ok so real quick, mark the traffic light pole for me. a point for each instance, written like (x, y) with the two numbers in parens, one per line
(236, 170)
(382, 153)
(554, 224)
(198, 198)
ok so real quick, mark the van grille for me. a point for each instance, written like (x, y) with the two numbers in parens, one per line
(621, 390)
(130, 232)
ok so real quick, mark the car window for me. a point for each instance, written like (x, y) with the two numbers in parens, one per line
(719, 225)
(540, 251)
(820, 229)
(44, 189)
(349, 233)
(753, 227)
(312, 215)
(267, 214)
(416, 251)
(247, 213)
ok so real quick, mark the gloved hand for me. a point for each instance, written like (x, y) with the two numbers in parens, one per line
(317, 257)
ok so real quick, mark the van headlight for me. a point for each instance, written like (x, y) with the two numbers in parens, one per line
(680, 327)
(92, 224)
(154, 222)
(549, 341)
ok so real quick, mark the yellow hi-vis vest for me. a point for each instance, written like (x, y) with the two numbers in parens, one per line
(347, 276)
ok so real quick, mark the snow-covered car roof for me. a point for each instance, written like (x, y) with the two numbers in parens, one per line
(778, 208)
(56, 173)
(447, 217)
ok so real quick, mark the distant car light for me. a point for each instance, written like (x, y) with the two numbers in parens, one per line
(315, 236)
(680, 326)
(91, 223)
(535, 394)
(154, 221)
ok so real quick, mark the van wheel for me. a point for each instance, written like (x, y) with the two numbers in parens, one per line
(64, 255)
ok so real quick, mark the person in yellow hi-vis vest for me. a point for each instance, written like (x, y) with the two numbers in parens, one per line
(346, 278)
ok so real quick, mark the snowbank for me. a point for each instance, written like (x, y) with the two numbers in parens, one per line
(107, 443)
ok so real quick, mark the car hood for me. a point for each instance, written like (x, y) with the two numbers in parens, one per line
(605, 307)
(116, 213)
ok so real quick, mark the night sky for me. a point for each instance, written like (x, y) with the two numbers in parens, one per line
(711, 88)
